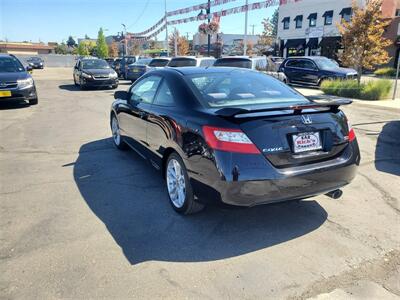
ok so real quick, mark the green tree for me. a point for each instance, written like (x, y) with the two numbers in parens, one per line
(101, 45)
(71, 42)
(274, 21)
(61, 48)
(362, 37)
(83, 49)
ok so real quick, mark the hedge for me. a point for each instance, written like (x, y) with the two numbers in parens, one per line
(372, 90)
(385, 72)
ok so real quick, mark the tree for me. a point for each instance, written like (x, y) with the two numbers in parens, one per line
(182, 44)
(101, 45)
(83, 49)
(362, 37)
(113, 49)
(71, 42)
(268, 37)
(135, 49)
(274, 22)
(87, 37)
(61, 48)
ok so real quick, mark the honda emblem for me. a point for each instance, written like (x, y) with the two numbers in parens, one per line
(306, 119)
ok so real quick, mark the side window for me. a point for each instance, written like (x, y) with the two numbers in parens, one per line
(306, 64)
(261, 65)
(206, 62)
(293, 63)
(145, 90)
(164, 96)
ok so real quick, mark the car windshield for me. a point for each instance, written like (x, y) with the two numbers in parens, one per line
(143, 61)
(159, 63)
(10, 64)
(95, 64)
(233, 62)
(130, 60)
(325, 63)
(35, 59)
(182, 62)
(240, 88)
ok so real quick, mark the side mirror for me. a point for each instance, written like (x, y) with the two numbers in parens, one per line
(123, 95)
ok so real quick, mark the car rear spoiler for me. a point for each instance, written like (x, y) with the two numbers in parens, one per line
(333, 105)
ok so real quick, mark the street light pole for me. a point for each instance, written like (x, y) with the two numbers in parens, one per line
(125, 41)
(397, 77)
(245, 28)
(175, 42)
(166, 28)
(208, 36)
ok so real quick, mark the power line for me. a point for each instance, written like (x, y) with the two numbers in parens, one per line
(140, 15)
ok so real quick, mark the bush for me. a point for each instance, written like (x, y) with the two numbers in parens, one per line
(372, 90)
(385, 72)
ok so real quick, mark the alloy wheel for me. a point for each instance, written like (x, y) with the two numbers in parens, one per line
(176, 183)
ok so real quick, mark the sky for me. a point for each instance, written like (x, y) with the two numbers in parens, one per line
(55, 20)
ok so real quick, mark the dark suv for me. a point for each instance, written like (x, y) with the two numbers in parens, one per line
(15, 81)
(312, 70)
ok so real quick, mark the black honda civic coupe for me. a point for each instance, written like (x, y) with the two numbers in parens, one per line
(234, 135)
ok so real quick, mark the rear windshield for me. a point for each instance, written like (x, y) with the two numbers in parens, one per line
(182, 62)
(10, 64)
(159, 63)
(95, 64)
(233, 62)
(130, 60)
(243, 88)
(143, 61)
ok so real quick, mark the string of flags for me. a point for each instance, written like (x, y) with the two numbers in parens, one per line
(218, 14)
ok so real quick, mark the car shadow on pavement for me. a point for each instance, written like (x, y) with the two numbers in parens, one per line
(128, 195)
(69, 87)
(387, 151)
(12, 104)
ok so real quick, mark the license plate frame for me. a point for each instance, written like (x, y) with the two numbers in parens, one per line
(306, 141)
(5, 93)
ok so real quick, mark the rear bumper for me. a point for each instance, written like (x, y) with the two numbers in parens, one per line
(133, 76)
(248, 180)
(21, 94)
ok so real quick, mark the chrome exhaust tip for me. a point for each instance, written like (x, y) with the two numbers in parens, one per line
(336, 194)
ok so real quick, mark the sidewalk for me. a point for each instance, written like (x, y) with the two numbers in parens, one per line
(315, 92)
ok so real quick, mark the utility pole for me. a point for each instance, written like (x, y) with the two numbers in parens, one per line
(245, 28)
(176, 41)
(166, 28)
(252, 31)
(397, 77)
(209, 19)
(125, 40)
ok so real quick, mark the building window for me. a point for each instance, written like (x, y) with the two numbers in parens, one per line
(397, 12)
(346, 14)
(286, 22)
(313, 20)
(299, 21)
(328, 16)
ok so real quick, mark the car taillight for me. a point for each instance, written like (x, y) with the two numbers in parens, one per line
(230, 140)
(352, 134)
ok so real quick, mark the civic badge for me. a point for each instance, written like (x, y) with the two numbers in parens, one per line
(306, 119)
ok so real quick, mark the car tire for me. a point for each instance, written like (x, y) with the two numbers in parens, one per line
(179, 189)
(114, 86)
(81, 85)
(76, 84)
(33, 101)
(116, 134)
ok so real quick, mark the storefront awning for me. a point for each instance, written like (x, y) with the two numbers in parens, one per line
(345, 11)
(312, 43)
(330, 41)
(328, 13)
(298, 17)
(295, 43)
(286, 19)
(312, 16)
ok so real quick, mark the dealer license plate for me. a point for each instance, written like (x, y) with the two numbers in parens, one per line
(307, 141)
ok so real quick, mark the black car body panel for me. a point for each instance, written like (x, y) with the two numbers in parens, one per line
(274, 174)
(307, 70)
(10, 83)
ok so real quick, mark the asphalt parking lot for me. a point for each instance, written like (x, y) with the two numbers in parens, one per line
(80, 219)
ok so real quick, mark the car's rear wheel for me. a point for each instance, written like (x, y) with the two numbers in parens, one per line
(179, 188)
(116, 134)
